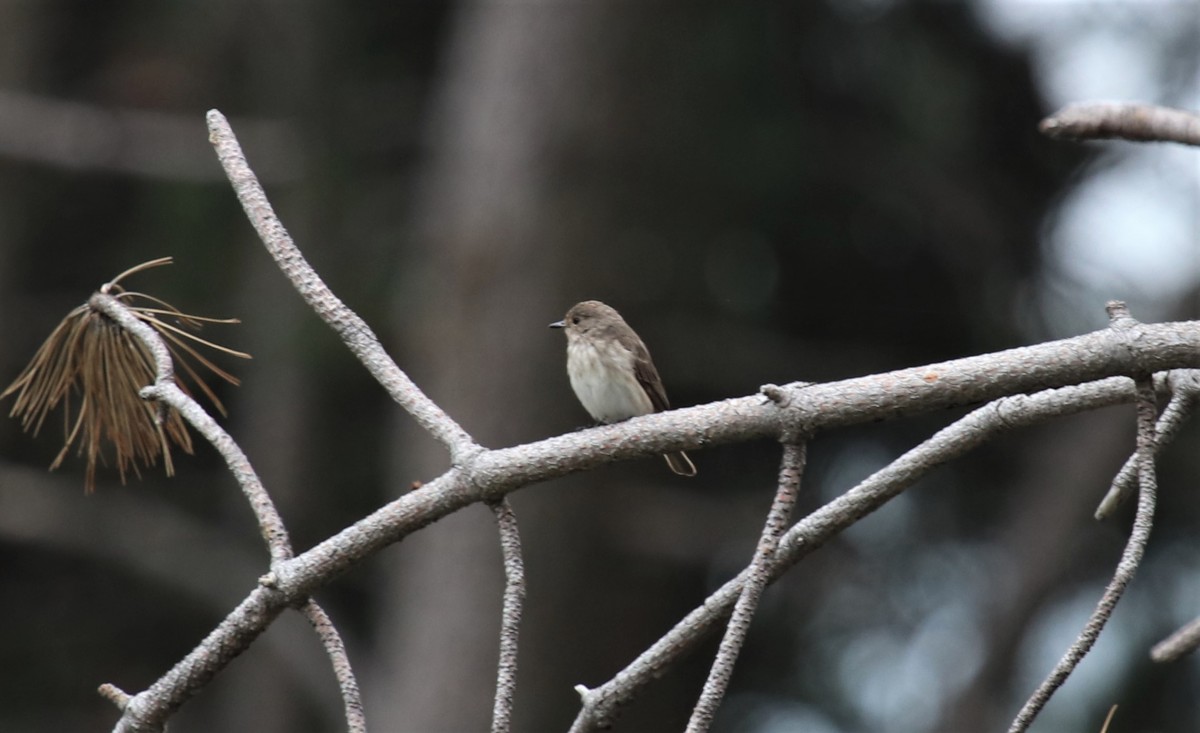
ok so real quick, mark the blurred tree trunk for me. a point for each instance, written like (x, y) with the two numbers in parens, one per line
(492, 231)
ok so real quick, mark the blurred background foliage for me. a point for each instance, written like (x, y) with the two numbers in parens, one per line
(768, 192)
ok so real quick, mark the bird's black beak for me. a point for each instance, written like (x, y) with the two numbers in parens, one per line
(558, 324)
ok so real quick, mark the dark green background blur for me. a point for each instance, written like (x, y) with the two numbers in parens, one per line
(768, 193)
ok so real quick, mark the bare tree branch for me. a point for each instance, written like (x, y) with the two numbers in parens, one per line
(1185, 391)
(757, 577)
(1141, 348)
(148, 711)
(332, 641)
(477, 474)
(1138, 122)
(1183, 641)
(168, 393)
(353, 330)
(510, 621)
(1131, 557)
(601, 704)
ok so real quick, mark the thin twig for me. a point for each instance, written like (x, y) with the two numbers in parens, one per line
(1185, 391)
(356, 722)
(601, 704)
(165, 391)
(1131, 557)
(1183, 641)
(790, 469)
(1138, 122)
(353, 330)
(510, 622)
(114, 694)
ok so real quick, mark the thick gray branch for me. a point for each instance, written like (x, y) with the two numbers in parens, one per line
(483, 475)
(493, 473)
(149, 709)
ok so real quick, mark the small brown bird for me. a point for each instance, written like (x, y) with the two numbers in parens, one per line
(611, 370)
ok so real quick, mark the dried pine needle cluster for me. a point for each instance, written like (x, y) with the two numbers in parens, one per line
(90, 357)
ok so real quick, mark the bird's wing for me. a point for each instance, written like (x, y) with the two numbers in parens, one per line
(647, 376)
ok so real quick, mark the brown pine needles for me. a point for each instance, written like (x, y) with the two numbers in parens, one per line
(90, 357)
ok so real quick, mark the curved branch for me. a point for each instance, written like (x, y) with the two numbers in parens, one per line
(332, 641)
(165, 391)
(134, 715)
(1131, 557)
(1185, 392)
(352, 329)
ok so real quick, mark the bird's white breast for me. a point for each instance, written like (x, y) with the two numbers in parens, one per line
(603, 380)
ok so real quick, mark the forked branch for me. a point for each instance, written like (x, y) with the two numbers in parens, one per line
(1185, 391)
(353, 330)
(165, 391)
(1131, 557)
(602, 704)
(144, 711)
(1068, 376)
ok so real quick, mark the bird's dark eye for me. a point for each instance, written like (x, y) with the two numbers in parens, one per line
(575, 320)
